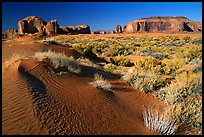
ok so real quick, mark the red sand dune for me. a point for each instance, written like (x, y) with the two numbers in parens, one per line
(37, 102)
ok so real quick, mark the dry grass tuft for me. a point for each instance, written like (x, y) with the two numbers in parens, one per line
(101, 83)
(154, 121)
(59, 60)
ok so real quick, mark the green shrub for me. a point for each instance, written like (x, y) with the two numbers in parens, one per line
(184, 97)
(170, 66)
(121, 61)
(110, 68)
(144, 81)
(146, 63)
(85, 50)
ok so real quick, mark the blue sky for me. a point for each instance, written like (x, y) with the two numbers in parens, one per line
(98, 15)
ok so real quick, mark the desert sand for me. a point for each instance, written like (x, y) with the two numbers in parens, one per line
(36, 102)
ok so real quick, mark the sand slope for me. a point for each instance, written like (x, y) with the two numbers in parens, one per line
(37, 102)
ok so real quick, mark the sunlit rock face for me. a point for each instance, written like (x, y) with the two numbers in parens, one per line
(163, 24)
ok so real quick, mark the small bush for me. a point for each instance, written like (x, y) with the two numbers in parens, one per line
(184, 97)
(146, 63)
(110, 68)
(85, 50)
(170, 66)
(121, 61)
(85, 61)
(144, 81)
(53, 41)
(101, 83)
(59, 60)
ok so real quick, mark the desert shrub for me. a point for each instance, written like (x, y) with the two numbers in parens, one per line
(160, 56)
(85, 50)
(101, 83)
(169, 44)
(170, 66)
(110, 67)
(115, 50)
(184, 97)
(159, 122)
(156, 49)
(187, 39)
(188, 114)
(185, 84)
(85, 61)
(146, 63)
(197, 41)
(189, 52)
(144, 81)
(53, 41)
(121, 61)
(58, 60)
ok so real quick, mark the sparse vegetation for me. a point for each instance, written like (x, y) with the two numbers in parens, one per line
(159, 70)
(58, 61)
(158, 122)
(101, 83)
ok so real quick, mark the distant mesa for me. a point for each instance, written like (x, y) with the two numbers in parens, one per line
(162, 24)
(103, 32)
(79, 29)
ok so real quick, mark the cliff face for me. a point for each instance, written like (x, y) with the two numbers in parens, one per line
(162, 24)
(34, 24)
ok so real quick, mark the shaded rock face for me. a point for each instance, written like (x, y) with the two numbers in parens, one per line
(51, 28)
(84, 29)
(162, 24)
(118, 29)
(10, 34)
(31, 24)
(80, 29)
(63, 30)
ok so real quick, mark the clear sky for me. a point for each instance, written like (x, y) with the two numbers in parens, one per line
(98, 15)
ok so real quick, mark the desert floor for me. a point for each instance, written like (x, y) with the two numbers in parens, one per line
(36, 102)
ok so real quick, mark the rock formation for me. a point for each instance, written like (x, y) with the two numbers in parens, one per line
(51, 28)
(31, 24)
(163, 24)
(10, 34)
(118, 29)
(80, 29)
(103, 32)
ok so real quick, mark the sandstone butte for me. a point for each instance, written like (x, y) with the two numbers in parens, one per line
(163, 24)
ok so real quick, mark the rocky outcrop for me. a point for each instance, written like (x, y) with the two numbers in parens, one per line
(10, 34)
(31, 24)
(162, 24)
(51, 28)
(63, 30)
(80, 29)
(118, 29)
(34, 24)
(83, 29)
